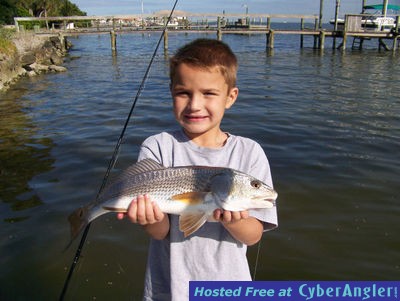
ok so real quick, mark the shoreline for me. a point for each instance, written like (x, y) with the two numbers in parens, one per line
(36, 54)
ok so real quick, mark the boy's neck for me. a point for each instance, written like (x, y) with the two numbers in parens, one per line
(208, 140)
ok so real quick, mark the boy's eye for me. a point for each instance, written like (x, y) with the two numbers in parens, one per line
(181, 93)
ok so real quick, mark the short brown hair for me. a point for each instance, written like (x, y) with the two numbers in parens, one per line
(207, 53)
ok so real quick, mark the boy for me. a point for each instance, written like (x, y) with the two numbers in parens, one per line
(203, 86)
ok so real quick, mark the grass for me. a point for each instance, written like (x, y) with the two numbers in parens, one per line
(7, 46)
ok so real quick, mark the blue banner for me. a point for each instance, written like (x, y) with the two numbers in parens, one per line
(294, 290)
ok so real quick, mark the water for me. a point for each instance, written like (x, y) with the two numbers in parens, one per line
(329, 123)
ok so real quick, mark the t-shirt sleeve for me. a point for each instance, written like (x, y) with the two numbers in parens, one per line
(150, 149)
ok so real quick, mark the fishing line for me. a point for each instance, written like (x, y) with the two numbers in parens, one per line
(256, 261)
(115, 154)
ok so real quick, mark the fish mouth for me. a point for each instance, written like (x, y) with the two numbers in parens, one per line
(267, 202)
(272, 201)
(268, 199)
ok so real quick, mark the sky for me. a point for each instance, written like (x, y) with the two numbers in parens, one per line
(305, 7)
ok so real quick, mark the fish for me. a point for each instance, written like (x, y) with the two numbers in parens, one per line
(192, 192)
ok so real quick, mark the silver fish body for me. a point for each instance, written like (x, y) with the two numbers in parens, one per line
(193, 192)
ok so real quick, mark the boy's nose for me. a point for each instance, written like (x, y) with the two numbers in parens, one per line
(195, 102)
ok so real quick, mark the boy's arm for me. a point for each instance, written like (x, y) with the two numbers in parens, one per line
(243, 228)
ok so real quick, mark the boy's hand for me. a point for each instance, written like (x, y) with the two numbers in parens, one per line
(226, 216)
(143, 211)
(240, 225)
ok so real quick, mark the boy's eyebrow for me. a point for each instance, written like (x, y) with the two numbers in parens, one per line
(178, 87)
(211, 90)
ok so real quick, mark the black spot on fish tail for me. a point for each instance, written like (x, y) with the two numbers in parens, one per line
(78, 221)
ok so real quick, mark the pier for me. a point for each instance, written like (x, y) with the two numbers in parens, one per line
(221, 24)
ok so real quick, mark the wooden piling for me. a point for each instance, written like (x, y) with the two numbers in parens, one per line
(270, 39)
(322, 40)
(316, 27)
(396, 34)
(113, 41)
(301, 36)
(219, 31)
(16, 24)
(344, 41)
(166, 40)
(268, 23)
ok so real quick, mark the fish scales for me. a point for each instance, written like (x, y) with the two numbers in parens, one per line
(154, 182)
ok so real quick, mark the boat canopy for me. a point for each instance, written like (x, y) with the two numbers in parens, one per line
(380, 6)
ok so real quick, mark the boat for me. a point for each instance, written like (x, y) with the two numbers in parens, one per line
(373, 19)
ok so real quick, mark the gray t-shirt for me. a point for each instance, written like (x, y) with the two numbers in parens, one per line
(211, 253)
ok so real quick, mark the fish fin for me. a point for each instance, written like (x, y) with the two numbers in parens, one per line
(192, 198)
(78, 221)
(114, 209)
(141, 167)
(191, 222)
(135, 169)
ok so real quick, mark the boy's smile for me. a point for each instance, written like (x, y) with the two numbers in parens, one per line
(200, 97)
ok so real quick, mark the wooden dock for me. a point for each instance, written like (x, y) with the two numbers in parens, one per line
(220, 25)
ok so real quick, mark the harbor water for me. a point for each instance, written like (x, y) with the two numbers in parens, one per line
(328, 121)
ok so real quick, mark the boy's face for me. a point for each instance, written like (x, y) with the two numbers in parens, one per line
(200, 97)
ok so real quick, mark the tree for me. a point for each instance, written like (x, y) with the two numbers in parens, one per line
(35, 8)
(7, 12)
(71, 9)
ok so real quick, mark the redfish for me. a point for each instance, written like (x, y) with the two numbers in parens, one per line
(192, 192)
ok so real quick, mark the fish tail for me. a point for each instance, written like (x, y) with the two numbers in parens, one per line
(78, 221)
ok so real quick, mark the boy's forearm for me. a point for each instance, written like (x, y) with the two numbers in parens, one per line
(248, 231)
(158, 230)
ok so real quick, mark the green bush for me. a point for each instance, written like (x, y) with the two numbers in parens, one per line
(29, 25)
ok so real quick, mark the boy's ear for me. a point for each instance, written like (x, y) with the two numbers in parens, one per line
(232, 95)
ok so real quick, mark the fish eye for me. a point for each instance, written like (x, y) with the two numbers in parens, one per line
(255, 184)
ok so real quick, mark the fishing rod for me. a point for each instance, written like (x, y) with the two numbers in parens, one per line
(115, 155)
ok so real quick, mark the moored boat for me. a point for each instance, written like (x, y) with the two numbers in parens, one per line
(372, 18)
